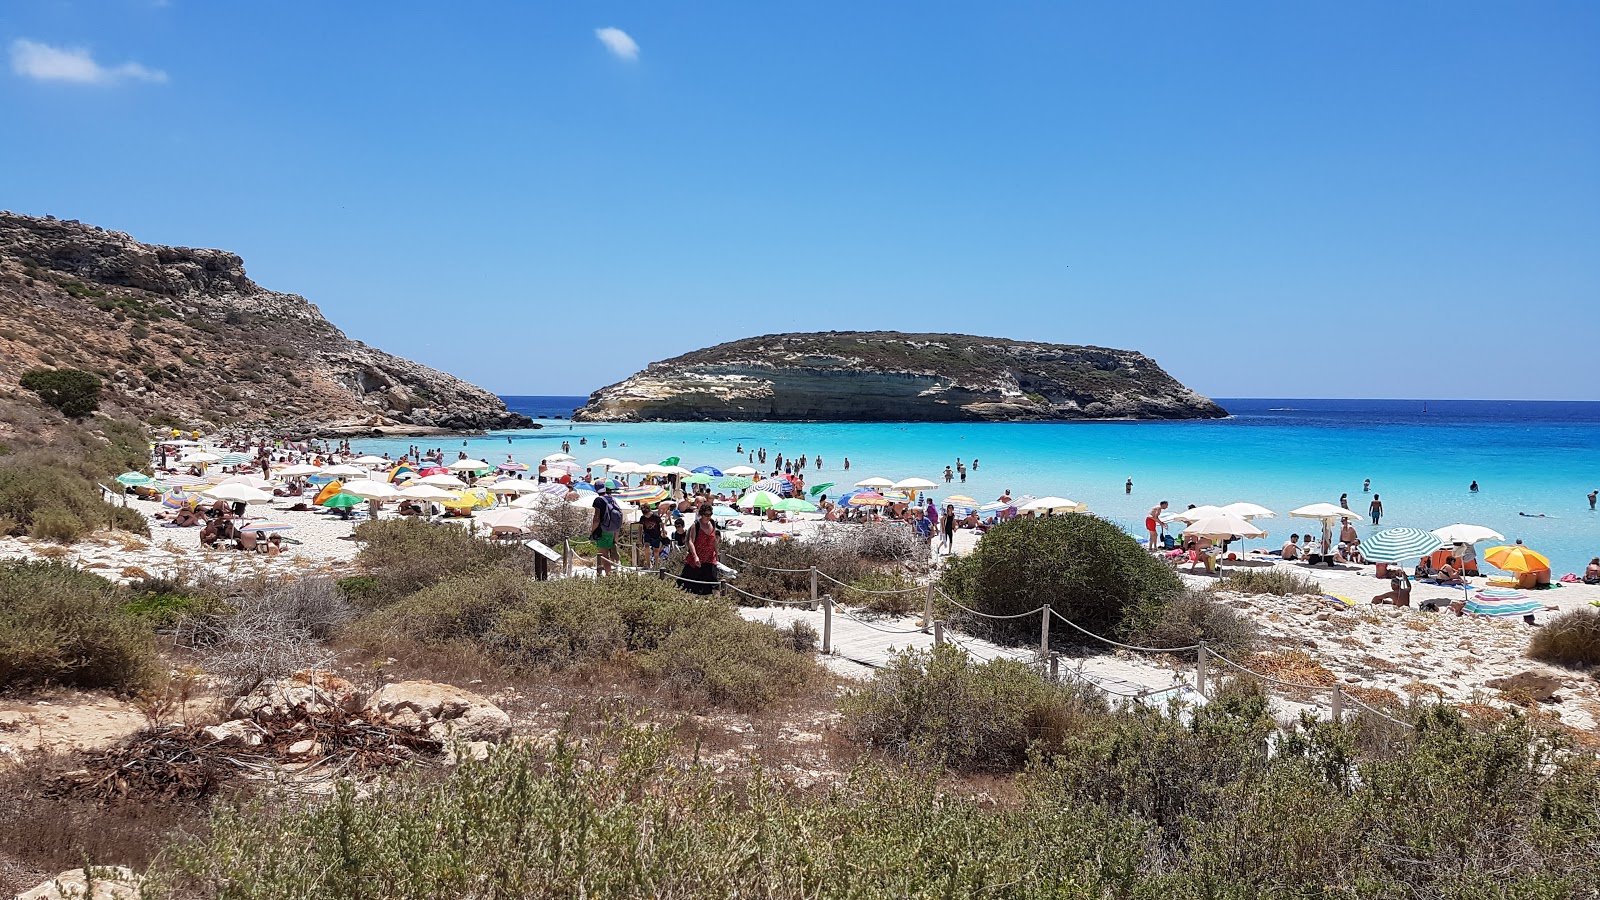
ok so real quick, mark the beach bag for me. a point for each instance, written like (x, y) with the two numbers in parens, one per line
(611, 517)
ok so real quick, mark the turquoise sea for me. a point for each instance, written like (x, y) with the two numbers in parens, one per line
(1527, 457)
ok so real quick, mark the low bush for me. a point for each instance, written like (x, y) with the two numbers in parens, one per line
(1083, 567)
(55, 523)
(72, 391)
(882, 592)
(880, 542)
(1274, 581)
(698, 648)
(1571, 639)
(940, 706)
(64, 626)
(1195, 616)
(404, 556)
(781, 570)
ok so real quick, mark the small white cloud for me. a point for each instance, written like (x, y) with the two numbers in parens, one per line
(42, 62)
(618, 42)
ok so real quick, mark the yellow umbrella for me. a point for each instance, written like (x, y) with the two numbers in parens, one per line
(1516, 558)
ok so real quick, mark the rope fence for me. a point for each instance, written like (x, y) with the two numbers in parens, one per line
(1046, 660)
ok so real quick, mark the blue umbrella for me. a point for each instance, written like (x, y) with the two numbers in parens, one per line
(725, 512)
(783, 487)
(583, 486)
(708, 470)
(1398, 545)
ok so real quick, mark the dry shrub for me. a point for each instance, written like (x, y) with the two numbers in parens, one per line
(267, 628)
(404, 556)
(1275, 581)
(1195, 616)
(55, 523)
(1571, 639)
(882, 592)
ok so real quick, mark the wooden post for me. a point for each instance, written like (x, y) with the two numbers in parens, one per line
(1338, 703)
(1200, 670)
(566, 556)
(1055, 667)
(1044, 631)
(813, 587)
(927, 610)
(827, 624)
(633, 554)
(938, 632)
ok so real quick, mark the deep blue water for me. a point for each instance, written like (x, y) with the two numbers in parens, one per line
(1527, 456)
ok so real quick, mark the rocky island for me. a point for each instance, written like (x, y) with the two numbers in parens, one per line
(182, 335)
(857, 376)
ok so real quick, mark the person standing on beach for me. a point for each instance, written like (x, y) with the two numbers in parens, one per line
(947, 530)
(1152, 522)
(1376, 508)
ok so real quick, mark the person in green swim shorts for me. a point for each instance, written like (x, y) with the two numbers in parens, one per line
(603, 531)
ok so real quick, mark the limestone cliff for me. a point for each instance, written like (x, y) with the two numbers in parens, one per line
(860, 376)
(183, 335)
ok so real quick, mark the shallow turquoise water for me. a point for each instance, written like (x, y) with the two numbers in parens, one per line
(1527, 457)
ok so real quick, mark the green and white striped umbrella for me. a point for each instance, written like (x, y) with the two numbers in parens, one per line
(1398, 545)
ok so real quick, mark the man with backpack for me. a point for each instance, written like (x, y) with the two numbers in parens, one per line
(607, 522)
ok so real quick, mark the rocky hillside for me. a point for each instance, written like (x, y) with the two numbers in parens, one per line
(887, 375)
(182, 335)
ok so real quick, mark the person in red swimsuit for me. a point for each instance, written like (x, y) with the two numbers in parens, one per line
(700, 569)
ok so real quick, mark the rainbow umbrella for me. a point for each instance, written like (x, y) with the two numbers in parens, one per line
(1516, 558)
(178, 498)
(961, 500)
(512, 467)
(1502, 602)
(864, 498)
(644, 493)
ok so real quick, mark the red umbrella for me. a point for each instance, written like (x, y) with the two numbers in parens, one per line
(433, 470)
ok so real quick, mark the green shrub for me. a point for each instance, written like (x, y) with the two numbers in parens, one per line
(164, 612)
(405, 556)
(30, 485)
(1195, 616)
(759, 563)
(55, 523)
(74, 392)
(882, 592)
(1570, 639)
(727, 661)
(1274, 581)
(360, 589)
(61, 625)
(1083, 567)
(940, 706)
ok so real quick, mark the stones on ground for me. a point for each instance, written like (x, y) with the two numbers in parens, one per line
(295, 697)
(306, 749)
(108, 883)
(1540, 688)
(440, 711)
(235, 732)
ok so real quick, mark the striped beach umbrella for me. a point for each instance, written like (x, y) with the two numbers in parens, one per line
(961, 500)
(1502, 602)
(783, 487)
(1398, 545)
(181, 481)
(863, 498)
(178, 498)
(512, 467)
(644, 493)
(134, 479)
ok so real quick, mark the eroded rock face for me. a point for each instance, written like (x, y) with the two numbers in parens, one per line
(890, 376)
(440, 711)
(185, 332)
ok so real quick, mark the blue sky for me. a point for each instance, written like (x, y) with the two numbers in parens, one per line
(1272, 199)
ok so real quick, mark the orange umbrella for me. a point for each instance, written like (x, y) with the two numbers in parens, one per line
(1516, 558)
(328, 490)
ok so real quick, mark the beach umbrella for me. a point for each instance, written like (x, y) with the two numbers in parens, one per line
(370, 489)
(370, 461)
(913, 484)
(1502, 602)
(502, 518)
(583, 486)
(745, 471)
(173, 481)
(511, 467)
(671, 461)
(698, 478)
(298, 470)
(647, 493)
(134, 479)
(255, 481)
(996, 506)
(756, 500)
(432, 470)
(401, 474)
(235, 459)
(471, 498)
(340, 501)
(1516, 558)
(626, 468)
(178, 498)
(557, 457)
(237, 493)
(1398, 545)
(1462, 533)
(425, 493)
(863, 498)
(713, 471)
(962, 500)
(559, 468)
(734, 483)
(330, 489)
(1222, 526)
(468, 465)
(442, 480)
(781, 486)
(199, 458)
(604, 462)
(819, 488)
(1249, 511)
(1194, 515)
(536, 500)
(1327, 513)
(794, 504)
(343, 470)
(874, 482)
(514, 486)
(724, 512)
(1054, 504)
(267, 526)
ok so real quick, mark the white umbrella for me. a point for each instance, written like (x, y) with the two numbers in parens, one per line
(502, 518)
(299, 469)
(538, 499)
(179, 442)
(426, 493)
(1325, 511)
(1193, 515)
(344, 470)
(468, 465)
(1461, 533)
(679, 471)
(875, 482)
(255, 481)
(913, 484)
(237, 493)
(558, 457)
(514, 486)
(369, 460)
(626, 468)
(1249, 511)
(1222, 526)
(368, 489)
(199, 458)
(569, 468)
(1052, 504)
(654, 469)
(439, 479)
(741, 471)
(604, 462)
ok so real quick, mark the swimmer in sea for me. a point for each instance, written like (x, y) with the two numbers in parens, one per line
(1473, 487)
(1532, 516)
